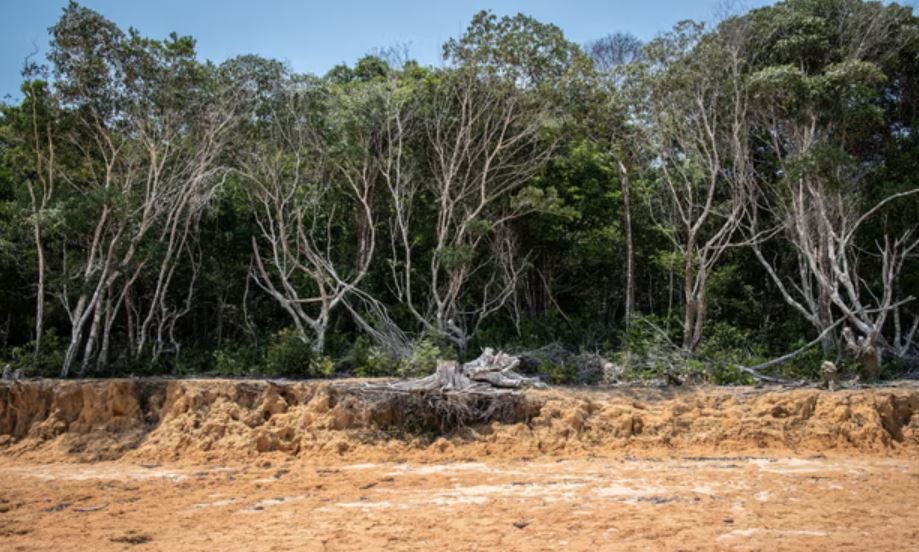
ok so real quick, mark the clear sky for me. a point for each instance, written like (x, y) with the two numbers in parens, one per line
(313, 36)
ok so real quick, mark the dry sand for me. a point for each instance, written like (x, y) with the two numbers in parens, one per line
(218, 465)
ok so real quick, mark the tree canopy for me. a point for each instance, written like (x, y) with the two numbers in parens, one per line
(696, 205)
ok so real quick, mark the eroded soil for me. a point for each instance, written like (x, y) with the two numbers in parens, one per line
(217, 465)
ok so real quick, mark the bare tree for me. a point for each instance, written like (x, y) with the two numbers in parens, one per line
(832, 279)
(298, 180)
(695, 112)
(484, 146)
(817, 194)
(614, 50)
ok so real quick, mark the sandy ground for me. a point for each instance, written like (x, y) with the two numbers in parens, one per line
(253, 465)
(618, 503)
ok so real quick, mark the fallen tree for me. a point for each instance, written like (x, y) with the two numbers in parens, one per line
(491, 372)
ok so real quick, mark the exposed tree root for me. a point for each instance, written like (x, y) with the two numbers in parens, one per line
(455, 395)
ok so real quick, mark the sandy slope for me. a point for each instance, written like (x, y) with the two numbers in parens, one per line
(230, 465)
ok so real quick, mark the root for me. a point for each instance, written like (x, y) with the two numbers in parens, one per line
(442, 412)
(455, 396)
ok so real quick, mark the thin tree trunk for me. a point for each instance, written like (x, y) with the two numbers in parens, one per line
(690, 308)
(102, 361)
(40, 293)
(629, 253)
(91, 340)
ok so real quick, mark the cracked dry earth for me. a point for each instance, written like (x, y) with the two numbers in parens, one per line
(686, 503)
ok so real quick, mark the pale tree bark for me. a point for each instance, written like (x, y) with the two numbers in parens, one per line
(820, 208)
(484, 146)
(697, 120)
(625, 186)
(40, 196)
(296, 183)
(168, 170)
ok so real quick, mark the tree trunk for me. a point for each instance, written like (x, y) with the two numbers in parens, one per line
(690, 308)
(40, 293)
(491, 372)
(629, 253)
(91, 340)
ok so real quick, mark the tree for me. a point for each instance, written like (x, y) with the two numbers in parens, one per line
(149, 125)
(694, 108)
(311, 166)
(818, 114)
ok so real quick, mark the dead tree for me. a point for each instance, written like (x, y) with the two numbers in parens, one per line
(490, 371)
(483, 144)
(695, 111)
(310, 200)
(818, 201)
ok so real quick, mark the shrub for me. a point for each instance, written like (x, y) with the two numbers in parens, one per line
(369, 361)
(47, 365)
(422, 361)
(288, 355)
(233, 359)
(560, 374)
(321, 366)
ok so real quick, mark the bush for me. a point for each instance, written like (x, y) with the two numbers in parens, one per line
(560, 374)
(422, 361)
(321, 366)
(369, 361)
(289, 355)
(48, 365)
(233, 359)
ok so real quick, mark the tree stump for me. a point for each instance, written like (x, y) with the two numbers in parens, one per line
(490, 372)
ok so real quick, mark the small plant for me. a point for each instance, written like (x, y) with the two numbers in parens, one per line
(369, 361)
(48, 364)
(231, 360)
(560, 374)
(321, 367)
(422, 361)
(288, 355)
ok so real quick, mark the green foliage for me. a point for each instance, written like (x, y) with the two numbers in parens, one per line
(288, 354)
(827, 93)
(45, 365)
(422, 361)
(365, 360)
(559, 374)
(321, 366)
(234, 359)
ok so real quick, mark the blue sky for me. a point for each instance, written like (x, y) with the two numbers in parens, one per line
(313, 36)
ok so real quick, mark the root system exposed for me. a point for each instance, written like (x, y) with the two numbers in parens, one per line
(236, 421)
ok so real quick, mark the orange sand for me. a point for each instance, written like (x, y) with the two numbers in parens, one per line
(231, 465)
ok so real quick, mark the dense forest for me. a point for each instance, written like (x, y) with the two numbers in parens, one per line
(719, 203)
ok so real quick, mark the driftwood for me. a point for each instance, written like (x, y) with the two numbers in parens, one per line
(491, 372)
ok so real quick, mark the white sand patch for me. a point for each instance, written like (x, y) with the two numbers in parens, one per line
(757, 531)
(94, 472)
(361, 467)
(215, 504)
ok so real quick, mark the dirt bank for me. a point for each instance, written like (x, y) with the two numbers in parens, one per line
(207, 421)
